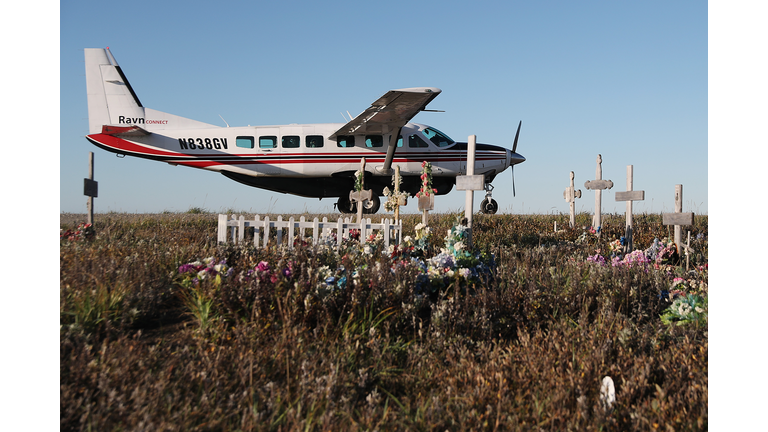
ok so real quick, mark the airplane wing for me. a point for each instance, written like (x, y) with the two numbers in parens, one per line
(390, 112)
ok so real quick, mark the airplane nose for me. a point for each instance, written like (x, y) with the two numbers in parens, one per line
(514, 158)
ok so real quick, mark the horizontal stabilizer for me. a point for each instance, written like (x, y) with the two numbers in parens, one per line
(124, 130)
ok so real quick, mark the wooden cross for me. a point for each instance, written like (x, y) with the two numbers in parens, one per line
(570, 196)
(426, 201)
(400, 200)
(598, 185)
(470, 183)
(678, 218)
(361, 196)
(629, 196)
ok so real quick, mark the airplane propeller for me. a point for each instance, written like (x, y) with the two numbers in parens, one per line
(514, 150)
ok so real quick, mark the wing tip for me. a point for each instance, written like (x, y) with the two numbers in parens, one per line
(420, 90)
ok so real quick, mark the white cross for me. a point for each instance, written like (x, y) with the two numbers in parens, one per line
(470, 183)
(678, 218)
(598, 185)
(570, 196)
(361, 196)
(629, 196)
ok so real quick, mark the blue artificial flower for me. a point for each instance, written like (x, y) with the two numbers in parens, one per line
(330, 280)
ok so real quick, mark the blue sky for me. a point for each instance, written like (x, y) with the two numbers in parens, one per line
(627, 80)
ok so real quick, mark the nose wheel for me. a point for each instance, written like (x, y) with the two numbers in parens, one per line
(489, 205)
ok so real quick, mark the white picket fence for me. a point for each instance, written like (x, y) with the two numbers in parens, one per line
(320, 229)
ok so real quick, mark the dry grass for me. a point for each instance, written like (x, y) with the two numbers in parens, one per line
(523, 350)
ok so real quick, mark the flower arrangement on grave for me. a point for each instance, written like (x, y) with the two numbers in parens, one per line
(395, 198)
(635, 258)
(208, 269)
(426, 180)
(360, 176)
(84, 231)
(421, 243)
(663, 252)
(685, 309)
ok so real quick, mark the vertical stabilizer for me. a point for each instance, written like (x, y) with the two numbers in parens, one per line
(111, 99)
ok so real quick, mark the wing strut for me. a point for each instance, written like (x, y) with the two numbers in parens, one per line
(387, 168)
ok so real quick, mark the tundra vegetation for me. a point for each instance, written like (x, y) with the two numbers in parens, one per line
(164, 329)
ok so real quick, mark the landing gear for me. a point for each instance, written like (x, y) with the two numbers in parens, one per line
(372, 206)
(347, 207)
(489, 205)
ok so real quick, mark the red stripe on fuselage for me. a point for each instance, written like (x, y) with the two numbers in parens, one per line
(203, 160)
(119, 144)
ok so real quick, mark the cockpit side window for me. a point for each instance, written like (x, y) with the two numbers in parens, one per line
(438, 138)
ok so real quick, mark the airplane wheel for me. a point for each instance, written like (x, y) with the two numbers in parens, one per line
(345, 206)
(373, 205)
(489, 206)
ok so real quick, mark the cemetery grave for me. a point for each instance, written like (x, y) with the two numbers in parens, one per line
(166, 323)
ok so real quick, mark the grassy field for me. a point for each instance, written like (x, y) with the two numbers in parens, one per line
(164, 329)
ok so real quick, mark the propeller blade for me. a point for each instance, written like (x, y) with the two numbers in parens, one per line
(514, 146)
(513, 180)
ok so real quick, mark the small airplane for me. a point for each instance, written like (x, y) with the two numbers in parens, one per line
(308, 160)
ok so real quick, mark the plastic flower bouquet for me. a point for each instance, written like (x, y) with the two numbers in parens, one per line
(686, 309)
(426, 180)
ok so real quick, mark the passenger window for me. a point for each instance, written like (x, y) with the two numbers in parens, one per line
(314, 141)
(415, 141)
(374, 141)
(244, 142)
(268, 142)
(346, 141)
(291, 141)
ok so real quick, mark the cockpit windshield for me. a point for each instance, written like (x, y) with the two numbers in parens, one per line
(438, 138)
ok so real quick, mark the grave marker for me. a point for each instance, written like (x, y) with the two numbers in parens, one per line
(678, 218)
(426, 196)
(470, 183)
(598, 184)
(91, 188)
(629, 196)
(362, 195)
(570, 196)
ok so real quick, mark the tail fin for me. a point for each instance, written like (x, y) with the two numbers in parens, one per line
(112, 101)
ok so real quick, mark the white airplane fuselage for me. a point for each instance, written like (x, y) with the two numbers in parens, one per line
(309, 160)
